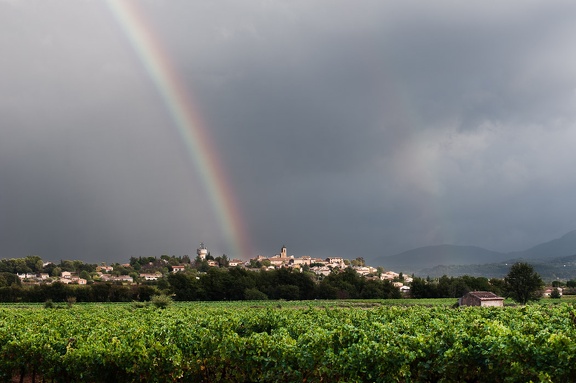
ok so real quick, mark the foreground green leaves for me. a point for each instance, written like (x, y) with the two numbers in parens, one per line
(239, 343)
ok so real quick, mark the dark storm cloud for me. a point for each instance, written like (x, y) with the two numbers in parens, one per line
(353, 130)
(91, 168)
(407, 124)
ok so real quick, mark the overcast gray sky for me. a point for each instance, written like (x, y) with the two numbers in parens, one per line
(349, 129)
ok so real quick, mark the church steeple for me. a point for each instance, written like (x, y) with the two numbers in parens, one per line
(283, 252)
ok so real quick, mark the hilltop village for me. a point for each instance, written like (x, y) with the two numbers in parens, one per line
(205, 277)
(152, 269)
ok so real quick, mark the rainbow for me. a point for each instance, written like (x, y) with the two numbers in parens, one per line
(187, 121)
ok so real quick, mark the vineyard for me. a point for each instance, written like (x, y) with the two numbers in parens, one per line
(302, 342)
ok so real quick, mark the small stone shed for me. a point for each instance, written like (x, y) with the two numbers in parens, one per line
(481, 298)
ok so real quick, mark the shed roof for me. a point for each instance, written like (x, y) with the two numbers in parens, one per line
(484, 295)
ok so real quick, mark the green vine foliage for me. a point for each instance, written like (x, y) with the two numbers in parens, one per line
(240, 343)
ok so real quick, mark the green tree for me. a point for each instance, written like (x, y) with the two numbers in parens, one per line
(359, 261)
(254, 264)
(240, 281)
(184, 286)
(376, 289)
(288, 292)
(8, 279)
(222, 261)
(497, 286)
(34, 262)
(423, 288)
(348, 283)
(522, 283)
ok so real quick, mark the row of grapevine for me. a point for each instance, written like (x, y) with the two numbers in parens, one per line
(199, 342)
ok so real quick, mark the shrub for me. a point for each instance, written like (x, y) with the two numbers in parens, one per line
(161, 301)
(139, 305)
(253, 294)
(70, 301)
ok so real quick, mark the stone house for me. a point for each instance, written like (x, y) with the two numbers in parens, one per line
(481, 298)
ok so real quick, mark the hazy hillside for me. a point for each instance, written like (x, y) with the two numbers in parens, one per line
(554, 258)
(430, 256)
(489, 270)
(558, 268)
(560, 247)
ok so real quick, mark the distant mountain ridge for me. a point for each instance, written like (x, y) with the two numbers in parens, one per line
(560, 247)
(455, 260)
(563, 268)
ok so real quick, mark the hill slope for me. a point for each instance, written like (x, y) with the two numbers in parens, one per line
(430, 256)
(560, 247)
(558, 268)
(472, 260)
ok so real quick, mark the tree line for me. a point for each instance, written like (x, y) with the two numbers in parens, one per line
(454, 287)
(521, 283)
(217, 284)
(224, 283)
(239, 284)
